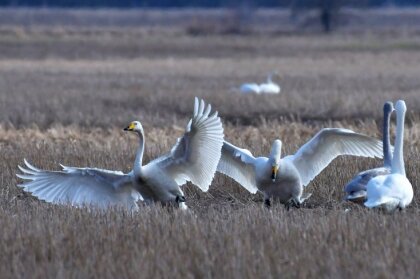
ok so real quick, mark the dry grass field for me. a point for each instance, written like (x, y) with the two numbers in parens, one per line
(67, 92)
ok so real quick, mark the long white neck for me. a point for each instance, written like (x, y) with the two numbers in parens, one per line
(386, 140)
(398, 156)
(139, 155)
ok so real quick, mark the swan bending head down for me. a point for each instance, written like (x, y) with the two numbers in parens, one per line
(284, 178)
(275, 155)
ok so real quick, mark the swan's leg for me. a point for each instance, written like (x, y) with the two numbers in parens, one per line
(295, 203)
(291, 202)
(287, 204)
(267, 203)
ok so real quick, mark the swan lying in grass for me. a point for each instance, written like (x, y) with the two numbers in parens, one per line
(268, 87)
(393, 190)
(194, 158)
(356, 188)
(283, 178)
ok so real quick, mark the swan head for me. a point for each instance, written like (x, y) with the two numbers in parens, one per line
(134, 126)
(388, 108)
(275, 158)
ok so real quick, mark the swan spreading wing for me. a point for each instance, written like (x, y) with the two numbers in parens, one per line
(328, 144)
(238, 164)
(81, 186)
(195, 155)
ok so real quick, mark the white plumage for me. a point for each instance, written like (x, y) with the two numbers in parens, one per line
(268, 87)
(393, 190)
(194, 158)
(80, 186)
(250, 88)
(284, 178)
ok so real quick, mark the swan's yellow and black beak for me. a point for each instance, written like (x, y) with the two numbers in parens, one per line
(274, 171)
(130, 127)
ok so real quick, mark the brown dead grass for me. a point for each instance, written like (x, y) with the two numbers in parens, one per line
(227, 231)
(61, 101)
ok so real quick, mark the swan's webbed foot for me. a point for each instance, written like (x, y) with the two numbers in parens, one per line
(291, 202)
(267, 203)
(179, 199)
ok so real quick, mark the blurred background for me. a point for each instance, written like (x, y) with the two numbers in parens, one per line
(233, 16)
(335, 59)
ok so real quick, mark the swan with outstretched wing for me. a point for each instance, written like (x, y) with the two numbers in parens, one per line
(193, 158)
(284, 178)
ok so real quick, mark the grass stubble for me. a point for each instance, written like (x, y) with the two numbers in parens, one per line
(70, 109)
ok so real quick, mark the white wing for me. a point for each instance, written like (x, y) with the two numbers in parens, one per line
(328, 144)
(359, 182)
(238, 164)
(196, 155)
(80, 186)
(247, 88)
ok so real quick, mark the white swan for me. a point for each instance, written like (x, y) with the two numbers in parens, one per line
(193, 158)
(268, 87)
(283, 178)
(393, 190)
(356, 188)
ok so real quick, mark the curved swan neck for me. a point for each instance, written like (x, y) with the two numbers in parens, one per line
(385, 135)
(398, 156)
(138, 162)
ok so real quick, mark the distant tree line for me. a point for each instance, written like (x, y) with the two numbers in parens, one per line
(194, 3)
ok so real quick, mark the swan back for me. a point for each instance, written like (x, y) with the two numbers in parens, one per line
(269, 88)
(398, 156)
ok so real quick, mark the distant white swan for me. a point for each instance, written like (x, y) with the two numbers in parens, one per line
(284, 178)
(393, 190)
(194, 158)
(268, 87)
(356, 188)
